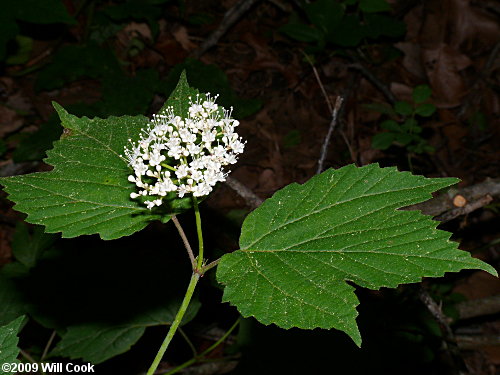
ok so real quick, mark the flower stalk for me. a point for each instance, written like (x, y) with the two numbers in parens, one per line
(175, 324)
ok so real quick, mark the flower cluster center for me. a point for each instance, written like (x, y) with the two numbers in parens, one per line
(184, 155)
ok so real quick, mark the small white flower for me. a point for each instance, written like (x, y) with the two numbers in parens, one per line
(196, 149)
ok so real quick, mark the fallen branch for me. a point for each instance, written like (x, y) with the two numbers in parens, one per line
(475, 342)
(248, 195)
(375, 81)
(331, 128)
(476, 196)
(449, 340)
(478, 307)
(230, 18)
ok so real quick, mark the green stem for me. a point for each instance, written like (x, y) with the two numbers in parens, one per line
(200, 357)
(175, 324)
(199, 263)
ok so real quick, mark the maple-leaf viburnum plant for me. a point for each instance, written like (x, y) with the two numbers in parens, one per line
(297, 250)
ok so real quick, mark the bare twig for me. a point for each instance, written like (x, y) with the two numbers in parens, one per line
(375, 81)
(230, 18)
(318, 79)
(185, 240)
(449, 340)
(331, 128)
(476, 196)
(475, 342)
(478, 307)
(47, 347)
(248, 195)
(467, 209)
(334, 110)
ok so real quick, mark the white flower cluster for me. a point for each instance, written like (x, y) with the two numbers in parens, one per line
(185, 155)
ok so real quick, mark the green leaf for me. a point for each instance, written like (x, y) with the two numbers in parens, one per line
(421, 93)
(12, 304)
(348, 33)
(380, 107)
(378, 25)
(324, 14)
(425, 110)
(391, 125)
(403, 108)
(97, 342)
(374, 6)
(8, 343)
(28, 248)
(177, 99)
(404, 138)
(302, 32)
(87, 192)
(411, 125)
(22, 55)
(298, 249)
(383, 141)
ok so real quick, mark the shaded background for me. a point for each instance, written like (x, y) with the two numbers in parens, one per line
(278, 63)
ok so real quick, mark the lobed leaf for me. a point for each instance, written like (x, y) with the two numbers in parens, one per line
(8, 342)
(97, 342)
(87, 192)
(300, 247)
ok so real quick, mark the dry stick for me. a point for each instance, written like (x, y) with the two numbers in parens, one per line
(476, 342)
(318, 79)
(185, 240)
(449, 340)
(478, 307)
(443, 203)
(248, 195)
(230, 18)
(467, 209)
(334, 110)
(375, 81)
(47, 347)
(324, 149)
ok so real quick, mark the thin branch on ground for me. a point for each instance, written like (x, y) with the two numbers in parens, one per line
(324, 148)
(185, 240)
(467, 209)
(320, 83)
(449, 340)
(230, 18)
(248, 195)
(375, 81)
(478, 307)
(476, 196)
(334, 110)
(476, 342)
(49, 344)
